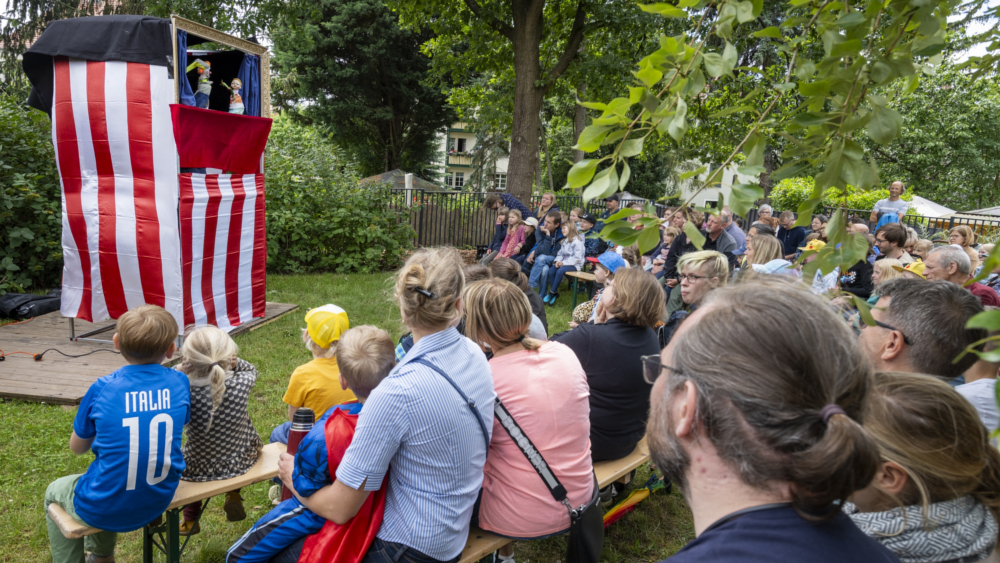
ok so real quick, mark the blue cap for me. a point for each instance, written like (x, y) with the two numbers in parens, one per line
(610, 260)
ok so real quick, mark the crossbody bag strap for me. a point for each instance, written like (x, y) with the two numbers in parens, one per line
(529, 450)
(468, 401)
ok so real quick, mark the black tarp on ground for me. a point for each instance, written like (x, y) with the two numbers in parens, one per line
(136, 39)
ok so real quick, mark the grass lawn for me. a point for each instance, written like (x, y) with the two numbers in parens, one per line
(34, 441)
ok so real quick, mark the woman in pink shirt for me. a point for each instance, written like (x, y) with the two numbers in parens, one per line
(544, 388)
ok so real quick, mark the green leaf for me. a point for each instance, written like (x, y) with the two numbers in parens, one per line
(665, 10)
(805, 211)
(649, 237)
(929, 46)
(768, 32)
(835, 226)
(631, 147)
(593, 105)
(649, 76)
(626, 174)
(758, 7)
(990, 264)
(744, 11)
(853, 19)
(754, 150)
(789, 170)
(864, 310)
(989, 320)
(591, 138)
(581, 173)
(713, 64)
(693, 173)
(696, 83)
(849, 48)
(744, 196)
(635, 94)
(694, 235)
(884, 125)
(731, 110)
(602, 186)
(678, 123)
(729, 57)
(751, 170)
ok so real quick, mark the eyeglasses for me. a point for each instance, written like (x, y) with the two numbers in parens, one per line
(692, 278)
(652, 368)
(888, 327)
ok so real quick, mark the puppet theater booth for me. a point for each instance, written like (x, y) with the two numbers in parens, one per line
(162, 201)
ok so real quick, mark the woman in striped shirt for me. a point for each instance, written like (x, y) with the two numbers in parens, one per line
(418, 422)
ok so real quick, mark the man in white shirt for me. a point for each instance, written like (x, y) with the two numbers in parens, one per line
(891, 205)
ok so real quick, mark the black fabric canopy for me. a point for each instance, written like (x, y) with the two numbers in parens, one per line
(136, 39)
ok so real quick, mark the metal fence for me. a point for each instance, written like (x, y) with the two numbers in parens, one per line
(926, 227)
(459, 219)
(456, 218)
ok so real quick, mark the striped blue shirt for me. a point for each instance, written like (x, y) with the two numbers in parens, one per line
(415, 422)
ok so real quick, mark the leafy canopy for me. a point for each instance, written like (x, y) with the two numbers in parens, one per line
(363, 77)
(841, 58)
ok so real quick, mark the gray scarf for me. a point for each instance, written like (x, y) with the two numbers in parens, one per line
(957, 531)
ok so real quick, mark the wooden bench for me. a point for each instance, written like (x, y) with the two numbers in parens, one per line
(576, 276)
(482, 543)
(187, 492)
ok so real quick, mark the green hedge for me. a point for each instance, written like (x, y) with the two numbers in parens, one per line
(791, 192)
(318, 218)
(30, 214)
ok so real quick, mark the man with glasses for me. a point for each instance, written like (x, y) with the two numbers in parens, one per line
(920, 328)
(759, 428)
(891, 240)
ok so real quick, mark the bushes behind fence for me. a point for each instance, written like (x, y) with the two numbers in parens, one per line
(318, 217)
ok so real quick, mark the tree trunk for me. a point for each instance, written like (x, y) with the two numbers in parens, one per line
(579, 121)
(527, 98)
(548, 157)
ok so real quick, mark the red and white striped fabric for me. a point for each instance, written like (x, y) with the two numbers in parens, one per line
(117, 162)
(224, 248)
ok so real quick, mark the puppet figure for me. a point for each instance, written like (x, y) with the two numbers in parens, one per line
(204, 84)
(235, 100)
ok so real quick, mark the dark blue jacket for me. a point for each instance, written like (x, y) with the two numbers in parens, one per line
(547, 244)
(792, 238)
(498, 237)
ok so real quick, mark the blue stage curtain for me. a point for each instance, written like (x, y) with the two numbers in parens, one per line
(249, 75)
(187, 95)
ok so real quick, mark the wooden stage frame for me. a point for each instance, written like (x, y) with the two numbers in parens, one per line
(57, 379)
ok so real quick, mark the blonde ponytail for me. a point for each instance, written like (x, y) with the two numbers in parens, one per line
(208, 356)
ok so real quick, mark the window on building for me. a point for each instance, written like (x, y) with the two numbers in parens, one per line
(500, 181)
(459, 179)
(458, 144)
(448, 179)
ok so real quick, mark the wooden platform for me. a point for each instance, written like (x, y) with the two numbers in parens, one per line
(61, 380)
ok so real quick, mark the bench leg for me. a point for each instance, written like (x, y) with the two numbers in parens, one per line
(173, 536)
(574, 293)
(147, 545)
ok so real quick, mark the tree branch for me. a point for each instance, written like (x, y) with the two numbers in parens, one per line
(497, 25)
(576, 34)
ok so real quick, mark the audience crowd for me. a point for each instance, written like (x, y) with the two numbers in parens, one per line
(797, 426)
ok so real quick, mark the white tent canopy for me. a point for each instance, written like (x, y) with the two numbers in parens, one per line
(927, 208)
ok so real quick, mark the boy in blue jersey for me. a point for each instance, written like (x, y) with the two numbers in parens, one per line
(132, 420)
(366, 356)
